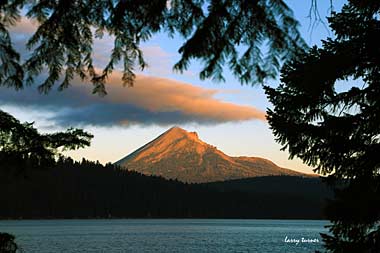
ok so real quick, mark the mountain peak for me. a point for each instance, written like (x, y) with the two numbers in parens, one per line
(176, 128)
(177, 132)
(179, 154)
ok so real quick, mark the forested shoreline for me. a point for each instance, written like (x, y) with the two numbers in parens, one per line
(68, 189)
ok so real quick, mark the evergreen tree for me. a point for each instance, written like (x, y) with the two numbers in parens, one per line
(336, 130)
(212, 31)
(21, 142)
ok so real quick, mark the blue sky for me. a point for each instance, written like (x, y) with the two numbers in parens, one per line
(243, 133)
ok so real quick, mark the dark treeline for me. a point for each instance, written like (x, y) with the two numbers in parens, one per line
(70, 189)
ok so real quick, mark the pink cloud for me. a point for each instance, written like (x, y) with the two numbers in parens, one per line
(152, 100)
(165, 95)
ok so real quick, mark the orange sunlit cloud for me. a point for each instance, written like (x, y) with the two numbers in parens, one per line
(152, 100)
(165, 95)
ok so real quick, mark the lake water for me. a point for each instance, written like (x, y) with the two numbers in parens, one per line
(166, 235)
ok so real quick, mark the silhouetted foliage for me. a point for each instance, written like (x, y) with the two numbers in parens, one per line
(212, 30)
(11, 73)
(355, 215)
(336, 130)
(21, 142)
(7, 243)
(90, 190)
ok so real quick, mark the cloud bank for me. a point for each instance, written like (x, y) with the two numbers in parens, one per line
(152, 100)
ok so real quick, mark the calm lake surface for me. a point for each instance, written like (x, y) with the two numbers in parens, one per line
(166, 235)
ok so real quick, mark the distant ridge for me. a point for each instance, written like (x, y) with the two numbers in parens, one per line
(179, 154)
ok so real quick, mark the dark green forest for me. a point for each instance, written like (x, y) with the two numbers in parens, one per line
(70, 189)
